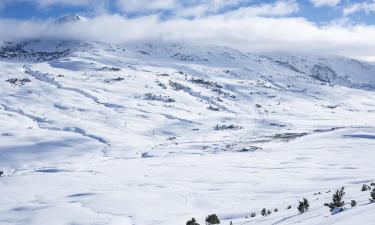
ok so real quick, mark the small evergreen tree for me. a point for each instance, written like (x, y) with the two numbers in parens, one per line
(1, 173)
(269, 212)
(212, 219)
(337, 200)
(303, 206)
(263, 212)
(275, 210)
(192, 222)
(372, 195)
(253, 214)
(365, 187)
(353, 203)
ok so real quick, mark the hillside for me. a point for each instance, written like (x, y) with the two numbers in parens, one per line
(141, 133)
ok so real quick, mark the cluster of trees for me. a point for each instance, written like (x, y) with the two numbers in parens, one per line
(336, 205)
(210, 220)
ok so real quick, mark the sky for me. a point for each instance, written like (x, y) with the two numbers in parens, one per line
(342, 27)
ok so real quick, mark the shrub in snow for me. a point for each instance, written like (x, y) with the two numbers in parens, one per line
(112, 80)
(372, 184)
(1, 173)
(289, 207)
(353, 203)
(269, 212)
(337, 204)
(204, 83)
(227, 127)
(253, 214)
(192, 222)
(213, 108)
(275, 210)
(176, 86)
(365, 187)
(303, 206)
(372, 195)
(18, 81)
(263, 212)
(154, 97)
(212, 219)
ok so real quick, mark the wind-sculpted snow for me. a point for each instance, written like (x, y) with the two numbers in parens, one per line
(159, 133)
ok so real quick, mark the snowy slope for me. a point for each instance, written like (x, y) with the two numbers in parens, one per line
(158, 133)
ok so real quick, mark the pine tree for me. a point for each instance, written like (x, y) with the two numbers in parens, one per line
(192, 222)
(212, 219)
(337, 200)
(372, 194)
(263, 212)
(353, 203)
(365, 187)
(303, 205)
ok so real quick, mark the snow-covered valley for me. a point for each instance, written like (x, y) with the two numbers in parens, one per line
(146, 134)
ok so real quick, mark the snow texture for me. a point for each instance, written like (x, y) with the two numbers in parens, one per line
(146, 134)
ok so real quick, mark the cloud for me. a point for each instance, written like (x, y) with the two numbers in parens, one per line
(178, 8)
(256, 28)
(251, 33)
(278, 8)
(48, 3)
(319, 3)
(172, 8)
(133, 6)
(202, 8)
(366, 7)
(92, 7)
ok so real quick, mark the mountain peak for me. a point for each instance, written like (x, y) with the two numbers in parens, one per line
(73, 18)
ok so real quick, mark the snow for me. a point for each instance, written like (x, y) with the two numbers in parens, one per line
(73, 18)
(94, 138)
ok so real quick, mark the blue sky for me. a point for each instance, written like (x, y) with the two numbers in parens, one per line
(318, 11)
(343, 27)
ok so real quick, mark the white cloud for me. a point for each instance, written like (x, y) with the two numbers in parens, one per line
(253, 33)
(145, 5)
(47, 3)
(318, 3)
(92, 7)
(178, 8)
(206, 8)
(259, 28)
(366, 7)
(278, 8)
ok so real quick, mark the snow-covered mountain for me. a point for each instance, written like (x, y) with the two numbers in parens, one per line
(157, 133)
(73, 18)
